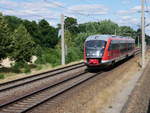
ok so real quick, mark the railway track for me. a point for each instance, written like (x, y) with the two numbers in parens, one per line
(19, 82)
(29, 101)
(36, 77)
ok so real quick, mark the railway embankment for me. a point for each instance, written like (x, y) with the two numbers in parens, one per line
(138, 101)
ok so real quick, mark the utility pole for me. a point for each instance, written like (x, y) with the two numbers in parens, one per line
(115, 32)
(139, 41)
(62, 41)
(143, 33)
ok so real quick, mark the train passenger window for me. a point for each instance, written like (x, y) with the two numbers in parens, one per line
(130, 46)
(123, 47)
(113, 46)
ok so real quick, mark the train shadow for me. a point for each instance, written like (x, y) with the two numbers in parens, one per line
(109, 67)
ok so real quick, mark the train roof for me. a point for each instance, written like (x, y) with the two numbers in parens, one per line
(106, 37)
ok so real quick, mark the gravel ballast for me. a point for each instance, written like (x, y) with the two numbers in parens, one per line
(97, 94)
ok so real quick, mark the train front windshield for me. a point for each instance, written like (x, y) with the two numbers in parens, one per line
(95, 48)
(95, 44)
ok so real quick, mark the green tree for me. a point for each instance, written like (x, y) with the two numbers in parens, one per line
(32, 28)
(103, 27)
(107, 27)
(80, 39)
(13, 22)
(48, 34)
(126, 31)
(23, 46)
(90, 27)
(5, 40)
(71, 25)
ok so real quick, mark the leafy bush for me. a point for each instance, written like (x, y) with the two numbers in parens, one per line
(2, 76)
(27, 68)
(55, 57)
(17, 66)
(74, 54)
(51, 56)
(39, 67)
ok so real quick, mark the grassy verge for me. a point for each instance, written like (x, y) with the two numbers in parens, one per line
(2, 76)
(7, 74)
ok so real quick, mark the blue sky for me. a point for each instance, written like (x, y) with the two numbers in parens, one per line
(123, 12)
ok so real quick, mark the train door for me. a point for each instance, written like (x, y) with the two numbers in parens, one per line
(110, 51)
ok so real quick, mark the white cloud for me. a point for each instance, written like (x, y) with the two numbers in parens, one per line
(32, 4)
(128, 20)
(126, 17)
(136, 9)
(126, 2)
(122, 12)
(30, 10)
(89, 9)
(8, 3)
(133, 10)
(50, 10)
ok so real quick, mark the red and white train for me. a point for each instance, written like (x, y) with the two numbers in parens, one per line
(107, 49)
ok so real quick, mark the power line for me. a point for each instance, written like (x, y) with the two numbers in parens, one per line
(146, 5)
(147, 8)
(72, 10)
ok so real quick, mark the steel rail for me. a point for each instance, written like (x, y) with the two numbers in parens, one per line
(12, 84)
(49, 87)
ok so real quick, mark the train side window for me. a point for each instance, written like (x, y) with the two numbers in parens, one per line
(109, 47)
(113, 46)
(128, 46)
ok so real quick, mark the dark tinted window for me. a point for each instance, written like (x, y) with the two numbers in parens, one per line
(114, 46)
(95, 43)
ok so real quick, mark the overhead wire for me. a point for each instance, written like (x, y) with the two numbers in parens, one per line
(147, 7)
(72, 10)
(147, 10)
